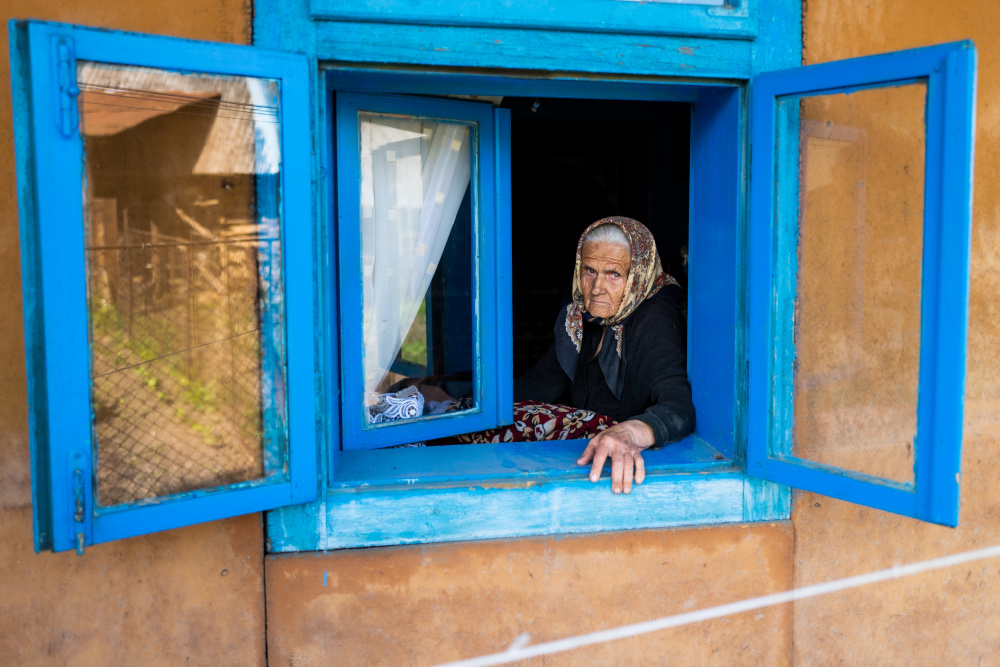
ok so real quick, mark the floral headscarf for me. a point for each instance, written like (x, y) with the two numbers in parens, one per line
(645, 278)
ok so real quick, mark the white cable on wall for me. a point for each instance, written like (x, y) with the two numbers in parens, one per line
(520, 650)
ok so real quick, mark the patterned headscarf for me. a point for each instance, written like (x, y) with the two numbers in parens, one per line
(645, 278)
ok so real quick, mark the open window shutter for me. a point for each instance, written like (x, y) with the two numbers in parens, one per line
(859, 273)
(166, 234)
(424, 262)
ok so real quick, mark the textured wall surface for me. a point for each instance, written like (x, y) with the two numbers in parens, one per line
(422, 605)
(188, 595)
(950, 616)
(193, 595)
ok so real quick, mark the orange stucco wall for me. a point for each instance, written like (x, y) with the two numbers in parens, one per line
(192, 595)
(431, 604)
(951, 616)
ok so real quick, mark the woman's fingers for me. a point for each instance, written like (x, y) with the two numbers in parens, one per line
(601, 451)
(626, 461)
(597, 451)
(628, 465)
(640, 468)
(617, 467)
(588, 453)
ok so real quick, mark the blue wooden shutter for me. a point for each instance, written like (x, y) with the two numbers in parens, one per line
(490, 268)
(51, 156)
(948, 73)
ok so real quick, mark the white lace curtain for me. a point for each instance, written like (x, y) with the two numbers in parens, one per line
(414, 175)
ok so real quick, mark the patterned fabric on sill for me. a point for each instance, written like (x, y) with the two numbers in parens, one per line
(407, 403)
(535, 421)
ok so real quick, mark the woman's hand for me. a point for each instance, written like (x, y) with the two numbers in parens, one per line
(624, 443)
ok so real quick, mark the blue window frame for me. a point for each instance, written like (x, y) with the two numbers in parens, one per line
(735, 467)
(406, 496)
(394, 496)
(483, 292)
(947, 73)
(70, 82)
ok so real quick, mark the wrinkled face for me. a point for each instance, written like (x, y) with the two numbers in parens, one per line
(603, 271)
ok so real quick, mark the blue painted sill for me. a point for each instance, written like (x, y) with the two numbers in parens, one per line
(461, 463)
(473, 492)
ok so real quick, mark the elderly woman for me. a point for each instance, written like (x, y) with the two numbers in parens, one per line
(619, 351)
(616, 373)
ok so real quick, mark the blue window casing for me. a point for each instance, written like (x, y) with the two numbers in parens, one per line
(479, 492)
(449, 493)
(949, 72)
(452, 493)
(495, 492)
(50, 164)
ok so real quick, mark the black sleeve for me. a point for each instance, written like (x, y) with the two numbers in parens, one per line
(546, 381)
(657, 353)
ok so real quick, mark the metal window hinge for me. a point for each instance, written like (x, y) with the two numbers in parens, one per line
(79, 500)
(68, 90)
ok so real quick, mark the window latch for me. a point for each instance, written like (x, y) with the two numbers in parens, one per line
(68, 90)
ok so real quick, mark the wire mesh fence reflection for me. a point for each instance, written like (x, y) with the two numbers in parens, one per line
(175, 363)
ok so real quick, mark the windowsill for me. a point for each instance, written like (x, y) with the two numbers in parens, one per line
(440, 494)
(508, 461)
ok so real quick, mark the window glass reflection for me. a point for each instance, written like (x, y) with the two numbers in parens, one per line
(183, 258)
(417, 241)
(857, 317)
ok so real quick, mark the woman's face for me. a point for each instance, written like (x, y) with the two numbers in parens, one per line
(603, 271)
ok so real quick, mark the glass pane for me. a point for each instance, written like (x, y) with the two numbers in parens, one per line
(857, 316)
(184, 279)
(417, 249)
